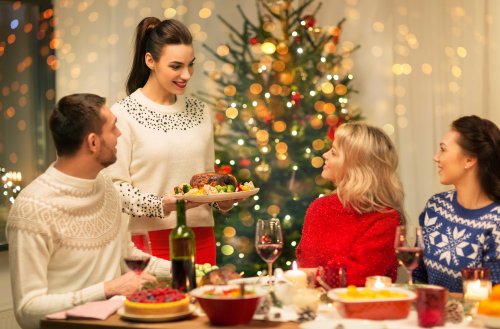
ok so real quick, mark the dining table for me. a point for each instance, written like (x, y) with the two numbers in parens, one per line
(202, 322)
(194, 321)
(327, 318)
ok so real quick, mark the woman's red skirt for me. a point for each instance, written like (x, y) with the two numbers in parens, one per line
(204, 241)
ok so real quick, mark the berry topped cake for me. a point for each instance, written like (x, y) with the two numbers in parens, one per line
(157, 301)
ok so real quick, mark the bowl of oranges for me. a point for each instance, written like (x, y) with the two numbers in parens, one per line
(488, 311)
(373, 304)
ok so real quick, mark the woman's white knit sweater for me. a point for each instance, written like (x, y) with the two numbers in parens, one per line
(161, 146)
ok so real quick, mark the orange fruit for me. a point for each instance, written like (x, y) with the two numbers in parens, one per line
(495, 292)
(489, 307)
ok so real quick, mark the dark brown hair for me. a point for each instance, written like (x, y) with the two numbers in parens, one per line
(150, 37)
(74, 117)
(481, 138)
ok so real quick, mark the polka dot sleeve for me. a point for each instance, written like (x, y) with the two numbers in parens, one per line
(138, 204)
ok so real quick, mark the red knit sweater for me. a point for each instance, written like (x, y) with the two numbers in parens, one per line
(364, 243)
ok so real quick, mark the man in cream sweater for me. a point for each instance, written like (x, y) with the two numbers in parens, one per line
(65, 232)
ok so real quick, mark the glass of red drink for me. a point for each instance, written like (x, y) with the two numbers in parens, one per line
(431, 302)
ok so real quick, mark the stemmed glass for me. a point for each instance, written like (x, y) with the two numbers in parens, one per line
(409, 255)
(269, 242)
(139, 259)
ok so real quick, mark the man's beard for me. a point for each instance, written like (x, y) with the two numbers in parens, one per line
(107, 156)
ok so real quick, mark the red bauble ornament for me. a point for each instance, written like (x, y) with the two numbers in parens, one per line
(225, 169)
(333, 128)
(266, 239)
(309, 20)
(296, 98)
(245, 162)
(219, 117)
(336, 35)
(254, 41)
(297, 39)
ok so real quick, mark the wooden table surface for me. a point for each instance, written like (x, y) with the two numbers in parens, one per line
(194, 321)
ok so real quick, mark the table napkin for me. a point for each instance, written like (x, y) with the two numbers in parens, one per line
(100, 310)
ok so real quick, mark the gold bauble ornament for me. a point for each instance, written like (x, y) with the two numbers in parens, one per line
(273, 210)
(286, 78)
(277, 6)
(263, 171)
(282, 48)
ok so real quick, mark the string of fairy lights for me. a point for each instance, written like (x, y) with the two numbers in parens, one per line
(11, 186)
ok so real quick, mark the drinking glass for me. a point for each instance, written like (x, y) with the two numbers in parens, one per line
(431, 304)
(139, 259)
(409, 255)
(269, 241)
(476, 283)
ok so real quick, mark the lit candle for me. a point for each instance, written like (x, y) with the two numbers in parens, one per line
(476, 290)
(378, 282)
(296, 277)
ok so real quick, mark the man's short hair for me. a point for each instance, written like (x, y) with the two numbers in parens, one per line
(74, 117)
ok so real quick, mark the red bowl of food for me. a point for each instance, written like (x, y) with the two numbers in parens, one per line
(224, 304)
(372, 304)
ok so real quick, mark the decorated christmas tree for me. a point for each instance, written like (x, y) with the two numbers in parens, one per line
(283, 90)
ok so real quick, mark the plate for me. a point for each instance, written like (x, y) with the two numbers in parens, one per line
(489, 321)
(155, 318)
(219, 196)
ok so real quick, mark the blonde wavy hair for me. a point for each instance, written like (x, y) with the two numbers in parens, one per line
(368, 180)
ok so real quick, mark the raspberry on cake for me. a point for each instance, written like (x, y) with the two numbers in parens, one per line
(157, 301)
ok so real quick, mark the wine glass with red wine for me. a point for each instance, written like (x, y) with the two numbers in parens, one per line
(408, 253)
(269, 242)
(139, 259)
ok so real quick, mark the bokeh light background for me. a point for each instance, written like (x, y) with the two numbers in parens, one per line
(421, 65)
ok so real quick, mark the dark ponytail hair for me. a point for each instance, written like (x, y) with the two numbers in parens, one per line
(150, 37)
(481, 139)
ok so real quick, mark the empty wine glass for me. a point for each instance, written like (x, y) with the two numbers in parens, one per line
(408, 253)
(139, 259)
(269, 242)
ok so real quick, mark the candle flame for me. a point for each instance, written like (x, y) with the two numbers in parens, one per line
(378, 284)
(476, 290)
(294, 266)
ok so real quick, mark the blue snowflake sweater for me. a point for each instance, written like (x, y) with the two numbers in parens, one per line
(455, 238)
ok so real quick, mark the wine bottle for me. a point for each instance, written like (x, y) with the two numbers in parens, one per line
(182, 250)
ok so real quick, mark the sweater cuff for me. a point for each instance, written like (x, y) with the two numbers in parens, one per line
(159, 267)
(93, 293)
(162, 212)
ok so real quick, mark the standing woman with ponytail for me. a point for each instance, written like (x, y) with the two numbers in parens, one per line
(166, 138)
(461, 227)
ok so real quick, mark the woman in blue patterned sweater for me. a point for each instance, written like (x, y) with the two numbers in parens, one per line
(461, 227)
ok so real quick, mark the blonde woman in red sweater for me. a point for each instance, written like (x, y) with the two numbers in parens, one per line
(354, 227)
